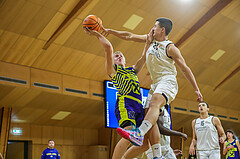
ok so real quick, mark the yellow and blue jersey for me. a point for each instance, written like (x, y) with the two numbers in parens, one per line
(232, 153)
(127, 84)
(50, 154)
(129, 99)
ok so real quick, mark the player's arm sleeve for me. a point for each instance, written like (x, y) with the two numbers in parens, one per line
(58, 155)
(43, 155)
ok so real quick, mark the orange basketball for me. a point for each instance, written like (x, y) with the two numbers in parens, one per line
(92, 22)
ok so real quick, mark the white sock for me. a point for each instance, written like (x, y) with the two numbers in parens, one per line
(157, 152)
(149, 153)
(123, 157)
(144, 127)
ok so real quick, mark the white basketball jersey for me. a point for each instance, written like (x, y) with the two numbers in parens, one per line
(207, 134)
(158, 62)
(165, 140)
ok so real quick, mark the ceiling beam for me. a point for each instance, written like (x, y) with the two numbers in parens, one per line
(228, 77)
(205, 18)
(74, 13)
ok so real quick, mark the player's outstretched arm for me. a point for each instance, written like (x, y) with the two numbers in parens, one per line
(140, 63)
(194, 140)
(165, 131)
(108, 50)
(220, 129)
(125, 35)
(174, 53)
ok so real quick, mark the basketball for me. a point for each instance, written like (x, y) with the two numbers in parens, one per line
(92, 22)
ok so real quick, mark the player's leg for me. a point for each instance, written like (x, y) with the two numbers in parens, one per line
(129, 114)
(154, 138)
(134, 151)
(157, 101)
(215, 154)
(138, 116)
(149, 153)
(202, 154)
(121, 147)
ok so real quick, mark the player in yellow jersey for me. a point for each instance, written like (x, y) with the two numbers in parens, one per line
(128, 110)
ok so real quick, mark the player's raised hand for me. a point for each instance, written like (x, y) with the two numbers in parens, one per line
(91, 32)
(184, 136)
(104, 31)
(150, 37)
(199, 95)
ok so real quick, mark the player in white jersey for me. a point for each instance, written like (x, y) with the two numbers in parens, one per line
(164, 123)
(207, 132)
(161, 56)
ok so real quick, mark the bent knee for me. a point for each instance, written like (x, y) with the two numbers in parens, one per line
(145, 147)
(158, 99)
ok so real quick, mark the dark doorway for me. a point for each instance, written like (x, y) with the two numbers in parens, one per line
(19, 149)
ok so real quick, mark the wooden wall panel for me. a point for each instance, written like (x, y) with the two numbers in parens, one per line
(72, 143)
(37, 150)
(80, 84)
(46, 77)
(96, 87)
(1, 32)
(47, 134)
(97, 152)
(36, 134)
(25, 132)
(78, 135)
(90, 136)
(179, 103)
(68, 136)
(58, 133)
(16, 72)
(222, 113)
(233, 115)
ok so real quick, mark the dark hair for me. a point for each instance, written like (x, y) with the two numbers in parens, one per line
(205, 103)
(50, 140)
(234, 137)
(166, 23)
